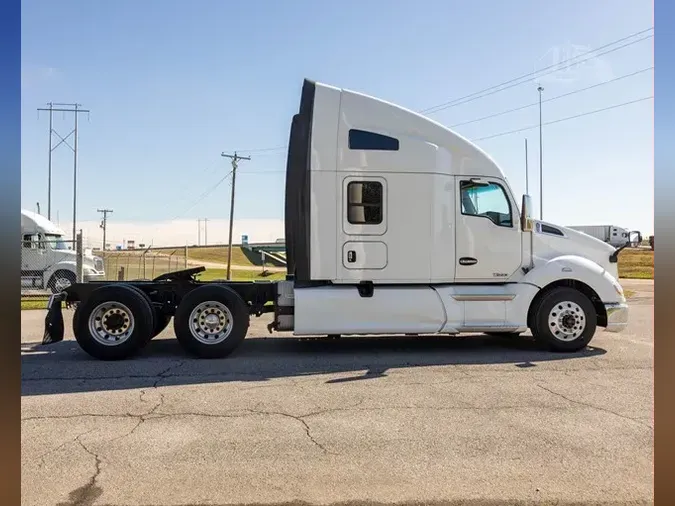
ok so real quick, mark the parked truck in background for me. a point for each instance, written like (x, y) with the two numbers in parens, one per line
(48, 261)
(394, 224)
(611, 234)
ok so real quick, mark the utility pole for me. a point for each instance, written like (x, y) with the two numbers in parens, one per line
(527, 178)
(199, 231)
(104, 224)
(74, 108)
(541, 157)
(206, 237)
(235, 162)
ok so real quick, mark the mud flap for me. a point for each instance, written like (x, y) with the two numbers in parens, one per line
(54, 320)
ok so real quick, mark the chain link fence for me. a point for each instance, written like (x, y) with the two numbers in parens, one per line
(129, 265)
(49, 264)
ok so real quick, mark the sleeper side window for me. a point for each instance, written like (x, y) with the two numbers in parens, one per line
(364, 202)
(486, 201)
(371, 141)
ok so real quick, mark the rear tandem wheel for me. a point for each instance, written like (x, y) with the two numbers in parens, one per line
(114, 323)
(211, 321)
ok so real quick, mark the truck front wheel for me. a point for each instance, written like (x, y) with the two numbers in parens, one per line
(564, 320)
(61, 280)
(113, 323)
(211, 321)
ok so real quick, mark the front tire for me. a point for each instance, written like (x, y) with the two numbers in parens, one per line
(61, 280)
(564, 320)
(211, 321)
(113, 323)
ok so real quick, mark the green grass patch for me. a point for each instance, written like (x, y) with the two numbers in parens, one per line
(28, 303)
(219, 254)
(239, 275)
(636, 264)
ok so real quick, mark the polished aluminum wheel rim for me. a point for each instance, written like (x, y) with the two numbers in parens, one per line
(61, 284)
(211, 322)
(567, 321)
(111, 323)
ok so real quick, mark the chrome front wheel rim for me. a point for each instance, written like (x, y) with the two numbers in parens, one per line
(567, 321)
(211, 322)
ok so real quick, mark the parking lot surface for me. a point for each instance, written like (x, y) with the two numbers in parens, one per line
(444, 420)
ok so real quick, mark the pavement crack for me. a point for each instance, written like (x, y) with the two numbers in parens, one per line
(305, 425)
(43, 457)
(81, 415)
(593, 406)
(87, 494)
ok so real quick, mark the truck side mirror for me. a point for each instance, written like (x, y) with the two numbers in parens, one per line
(526, 214)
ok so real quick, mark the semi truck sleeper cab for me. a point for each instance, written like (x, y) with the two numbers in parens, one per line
(394, 224)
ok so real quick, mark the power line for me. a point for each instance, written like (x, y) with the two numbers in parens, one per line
(492, 89)
(551, 99)
(203, 196)
(531, 127)
(563, 119)
(511, 84)
(261, 150)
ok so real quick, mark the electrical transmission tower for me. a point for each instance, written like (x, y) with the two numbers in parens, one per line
(64, 108)
(104, 224)
(235, 163)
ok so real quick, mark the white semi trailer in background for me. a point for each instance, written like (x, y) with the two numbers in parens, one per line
(394, 225)
(611, 234)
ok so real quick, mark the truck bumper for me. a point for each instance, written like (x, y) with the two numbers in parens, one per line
(89, 277)
(617, 316)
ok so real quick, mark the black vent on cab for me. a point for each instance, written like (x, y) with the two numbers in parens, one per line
(547, 229)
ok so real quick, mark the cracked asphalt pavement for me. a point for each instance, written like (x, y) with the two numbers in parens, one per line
(400, 419)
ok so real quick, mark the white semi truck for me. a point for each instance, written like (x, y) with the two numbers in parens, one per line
(47, 260)
(394, 224)
(611, 234)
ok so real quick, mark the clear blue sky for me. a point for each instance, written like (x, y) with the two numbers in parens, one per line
(171, 84)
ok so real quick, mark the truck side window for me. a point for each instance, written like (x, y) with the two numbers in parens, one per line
(488, 201)
(27, 241)
(362, 139)
(364, 202)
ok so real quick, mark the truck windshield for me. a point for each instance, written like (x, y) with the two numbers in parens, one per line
(56, 241)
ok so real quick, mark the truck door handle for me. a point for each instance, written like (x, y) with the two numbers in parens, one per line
(468, 261)
(351, 256)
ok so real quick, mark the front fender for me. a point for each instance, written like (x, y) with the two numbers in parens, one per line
(63, 265)
(579, 269)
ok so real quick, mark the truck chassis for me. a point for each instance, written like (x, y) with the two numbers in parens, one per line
(115, 319)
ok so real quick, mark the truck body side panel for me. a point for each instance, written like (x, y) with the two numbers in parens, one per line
(404, 230)
(324, 205)
(486, 307)
(342, 310)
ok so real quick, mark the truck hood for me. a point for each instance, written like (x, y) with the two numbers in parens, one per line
(551, 240)
(68, 255)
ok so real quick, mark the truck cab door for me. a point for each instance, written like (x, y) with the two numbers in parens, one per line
(487, 235)
(33, 254)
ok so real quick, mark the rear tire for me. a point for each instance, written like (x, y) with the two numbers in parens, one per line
(564, 320)
(211, 321)
(159, 319)
(113, 323)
